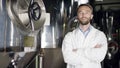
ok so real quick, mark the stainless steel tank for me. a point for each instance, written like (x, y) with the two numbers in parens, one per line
(10, 37)
(29, 17)
(26, 15)
(21, 21)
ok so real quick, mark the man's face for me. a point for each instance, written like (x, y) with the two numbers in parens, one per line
(84, 15)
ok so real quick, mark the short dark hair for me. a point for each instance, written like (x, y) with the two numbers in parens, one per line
(88, 5)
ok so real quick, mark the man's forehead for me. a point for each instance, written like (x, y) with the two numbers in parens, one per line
(84, 8)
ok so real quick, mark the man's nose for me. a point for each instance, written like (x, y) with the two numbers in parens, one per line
(83, 14)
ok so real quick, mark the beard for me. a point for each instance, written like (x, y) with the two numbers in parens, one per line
(82, 22)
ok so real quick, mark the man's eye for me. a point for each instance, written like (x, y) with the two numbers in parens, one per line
(83, 12)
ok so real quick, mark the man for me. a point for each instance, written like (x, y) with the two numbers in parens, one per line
(84, 47)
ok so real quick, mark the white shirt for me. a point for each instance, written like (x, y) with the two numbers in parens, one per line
(86, 56)
(86, 32)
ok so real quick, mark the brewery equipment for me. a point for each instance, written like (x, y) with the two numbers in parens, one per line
(23, 21)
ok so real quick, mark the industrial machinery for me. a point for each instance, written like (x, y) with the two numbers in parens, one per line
(31, 31)
(23, 21)
(28, 36)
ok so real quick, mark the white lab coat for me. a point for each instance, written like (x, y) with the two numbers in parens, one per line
(87, 56)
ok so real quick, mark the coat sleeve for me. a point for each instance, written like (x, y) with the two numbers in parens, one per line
(97, 54)
(70, 57)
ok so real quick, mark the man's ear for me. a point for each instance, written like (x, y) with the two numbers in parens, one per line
(92, 16)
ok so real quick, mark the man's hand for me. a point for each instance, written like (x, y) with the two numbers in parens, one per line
(98, 46)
